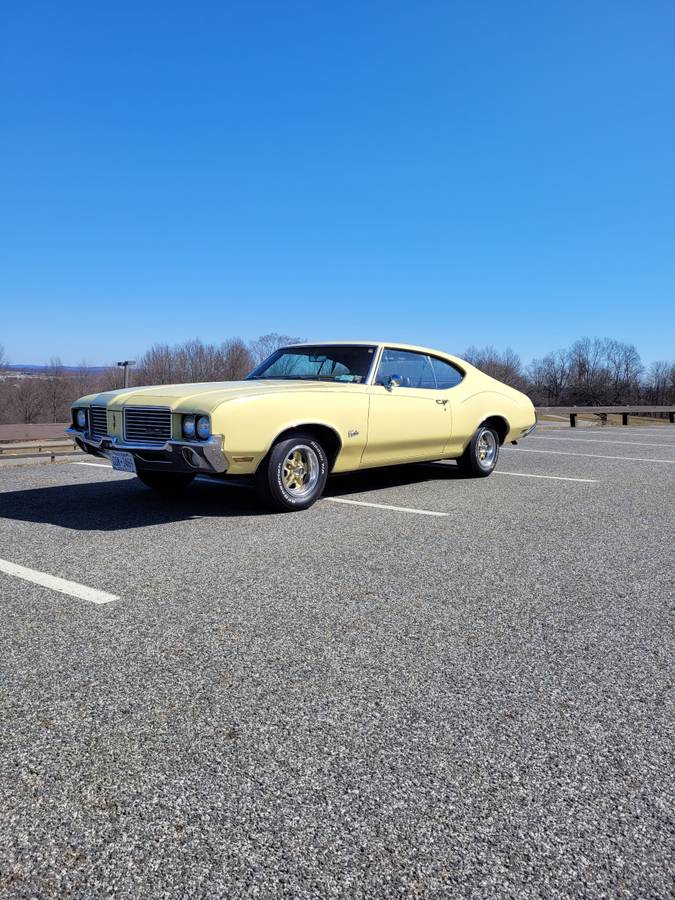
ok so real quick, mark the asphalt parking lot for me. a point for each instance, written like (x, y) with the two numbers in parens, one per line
(424, 686)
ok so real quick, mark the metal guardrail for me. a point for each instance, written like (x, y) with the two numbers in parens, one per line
(44, 449)
(51, 445)
(604, 411)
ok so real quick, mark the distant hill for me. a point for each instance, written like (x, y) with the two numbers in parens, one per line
(31, 367)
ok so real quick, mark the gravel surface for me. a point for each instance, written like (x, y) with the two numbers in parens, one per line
(347, 702)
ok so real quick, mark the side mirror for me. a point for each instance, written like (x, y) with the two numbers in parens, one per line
(392, 381)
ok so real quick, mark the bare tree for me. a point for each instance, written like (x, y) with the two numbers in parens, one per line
(111, 378)
(603, 371)
(266, 344)
(84, 380)
(28, 400)
(505, 366)
(7, 406)
(625, 368)
(237, 360)
(590, 379)
(549, 376)
(659, 383)
(194, 361)
(54, 390)
(4, 362)
(157, 366)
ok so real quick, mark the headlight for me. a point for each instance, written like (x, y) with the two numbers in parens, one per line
(81, 418)
(203, 427)
(188, 426)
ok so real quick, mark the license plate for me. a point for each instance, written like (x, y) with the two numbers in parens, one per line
(122, 462)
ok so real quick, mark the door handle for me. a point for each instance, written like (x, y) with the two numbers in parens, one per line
(442, 402)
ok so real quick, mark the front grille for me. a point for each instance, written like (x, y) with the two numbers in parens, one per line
(98, 420)
(147, 424)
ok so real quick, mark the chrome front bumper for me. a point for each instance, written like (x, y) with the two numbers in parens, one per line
(179, 456)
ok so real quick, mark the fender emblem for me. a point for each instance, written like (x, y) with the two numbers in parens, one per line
(353, 432)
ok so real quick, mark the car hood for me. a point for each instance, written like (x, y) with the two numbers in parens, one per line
(205, 397)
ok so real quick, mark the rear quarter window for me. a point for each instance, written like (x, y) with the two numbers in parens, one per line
(447, 375)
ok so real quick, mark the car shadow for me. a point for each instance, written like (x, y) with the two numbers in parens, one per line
(372, 480)
(120, 505)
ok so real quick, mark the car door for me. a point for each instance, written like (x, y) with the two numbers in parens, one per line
(409, 419)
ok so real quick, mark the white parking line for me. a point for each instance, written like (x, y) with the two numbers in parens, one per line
(103, 466)
(407, 509)
(542, 437)
(551, 477)
(628, 432)
(591, 455)
(72, 588)
(663, 430)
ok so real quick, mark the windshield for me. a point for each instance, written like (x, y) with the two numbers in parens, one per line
(339, 362)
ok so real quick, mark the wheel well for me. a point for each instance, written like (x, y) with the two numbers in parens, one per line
(500, 425)
(326, 436)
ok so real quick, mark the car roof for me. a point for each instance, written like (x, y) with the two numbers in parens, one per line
(393, 344)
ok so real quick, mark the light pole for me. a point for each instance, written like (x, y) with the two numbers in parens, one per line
(125, 365)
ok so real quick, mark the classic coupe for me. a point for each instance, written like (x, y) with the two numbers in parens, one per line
(307, 411)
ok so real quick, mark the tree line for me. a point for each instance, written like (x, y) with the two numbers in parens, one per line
(590, 372)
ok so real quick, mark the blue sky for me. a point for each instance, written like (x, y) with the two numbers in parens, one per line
(441, 173)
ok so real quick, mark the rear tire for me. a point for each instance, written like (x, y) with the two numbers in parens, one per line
(480, 457)
(293, 474)
(165, 482)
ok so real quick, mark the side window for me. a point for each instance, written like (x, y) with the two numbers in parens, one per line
(415, 369)
(447, 376)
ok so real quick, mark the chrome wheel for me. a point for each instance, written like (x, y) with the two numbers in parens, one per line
(486, 449)
(293, 474)
(300, 470)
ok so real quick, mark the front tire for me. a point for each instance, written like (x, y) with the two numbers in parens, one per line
(293, 474)
(480, 457)
(165, 482)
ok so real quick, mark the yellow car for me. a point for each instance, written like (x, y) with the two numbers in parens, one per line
(307, 411)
